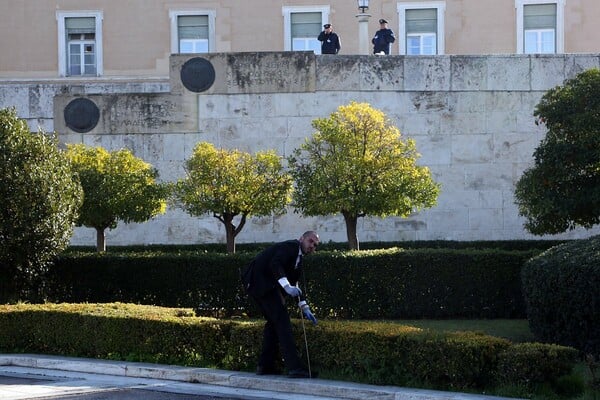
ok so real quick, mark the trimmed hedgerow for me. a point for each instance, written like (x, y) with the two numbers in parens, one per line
(376, 353)
(562, 292)
(392, 283)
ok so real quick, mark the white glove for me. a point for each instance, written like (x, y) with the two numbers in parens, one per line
(293, 291)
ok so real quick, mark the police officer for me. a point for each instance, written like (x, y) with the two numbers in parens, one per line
(330, 41)
(383, 38)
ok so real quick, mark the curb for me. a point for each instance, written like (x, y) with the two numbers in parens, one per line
(233, 379)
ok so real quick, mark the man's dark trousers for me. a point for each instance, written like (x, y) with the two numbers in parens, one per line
(278, 330)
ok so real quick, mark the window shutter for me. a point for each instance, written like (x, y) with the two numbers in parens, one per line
(192, 26)
(305, 24)
(539, 16)
(80, 25)
(421, 20)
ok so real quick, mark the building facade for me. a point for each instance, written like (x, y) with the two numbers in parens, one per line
(74, 38)
(467, 100)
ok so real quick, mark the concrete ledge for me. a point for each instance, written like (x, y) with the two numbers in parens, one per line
(233, 379)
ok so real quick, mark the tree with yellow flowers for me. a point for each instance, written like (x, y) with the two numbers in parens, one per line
(357, 163)
(231, 183)
(117, 186)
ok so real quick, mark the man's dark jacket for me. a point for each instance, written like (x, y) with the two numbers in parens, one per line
(261, 275)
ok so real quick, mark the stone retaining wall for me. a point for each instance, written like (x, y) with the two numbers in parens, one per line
(471, 117)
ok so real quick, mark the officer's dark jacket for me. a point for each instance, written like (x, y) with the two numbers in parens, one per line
(330, 43)
(261, 275)
(382, 40)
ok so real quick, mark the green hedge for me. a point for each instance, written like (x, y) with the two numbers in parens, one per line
(562, 289)
(392, 283)
(375, 353)
(333, 246)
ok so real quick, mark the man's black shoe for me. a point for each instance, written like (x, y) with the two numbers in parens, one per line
(302, 373)
(267, 371)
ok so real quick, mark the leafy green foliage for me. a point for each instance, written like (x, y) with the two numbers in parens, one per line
(230, 183)
(39, 200)
(392, 283)
(562, 292)
(375, 353)
(533, 363)
(358, 164)
(117, 187)
(562, 189)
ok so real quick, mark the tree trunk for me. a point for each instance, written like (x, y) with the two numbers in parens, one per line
(230, 238)
(230, 233)
(231, 230)
(351, 220)
(100, 240)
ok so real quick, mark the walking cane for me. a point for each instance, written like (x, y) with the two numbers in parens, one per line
(305, 340)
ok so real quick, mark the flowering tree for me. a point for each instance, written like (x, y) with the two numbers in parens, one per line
(117, 186)
(358, 164)
(231, 183)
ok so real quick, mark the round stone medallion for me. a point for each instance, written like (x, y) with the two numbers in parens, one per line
(197, 74)
(81, 115)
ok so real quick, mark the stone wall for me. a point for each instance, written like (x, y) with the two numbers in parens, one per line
(471, 117)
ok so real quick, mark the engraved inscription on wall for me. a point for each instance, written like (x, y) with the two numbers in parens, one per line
(270, 73)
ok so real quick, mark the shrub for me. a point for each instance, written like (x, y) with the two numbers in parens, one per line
(40, 200)
(394, 283)
(562, 292)
(376, 353)
(528, 364)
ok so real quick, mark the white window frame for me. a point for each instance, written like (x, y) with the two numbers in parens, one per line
(421, 37)
(287, 21)
(560, 23)
(212, 16)
(61, 16)
(440, 7)
(538, 42)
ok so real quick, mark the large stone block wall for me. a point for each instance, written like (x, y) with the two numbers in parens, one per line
(471, 117)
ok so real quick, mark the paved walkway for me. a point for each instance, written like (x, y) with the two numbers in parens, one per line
(25, 376)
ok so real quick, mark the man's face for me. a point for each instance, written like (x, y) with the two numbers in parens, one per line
(309, 243)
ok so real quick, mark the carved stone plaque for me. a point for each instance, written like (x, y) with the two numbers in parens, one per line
(81, 115)
(197, 74)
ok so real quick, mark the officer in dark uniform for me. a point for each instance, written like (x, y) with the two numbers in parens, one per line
(330, 41)
(383, 38)
(271, 275)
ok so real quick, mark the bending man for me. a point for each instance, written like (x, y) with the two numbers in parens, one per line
(273, 274)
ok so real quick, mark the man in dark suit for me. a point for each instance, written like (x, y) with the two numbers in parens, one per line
(273, 274)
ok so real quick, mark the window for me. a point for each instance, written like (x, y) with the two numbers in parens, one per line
(540, 26)
(421, 28)
(192, 31)
(79, 43)
(302, 26)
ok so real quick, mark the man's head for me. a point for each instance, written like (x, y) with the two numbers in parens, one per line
(309, 242)
(383, 23)
(328, 28)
